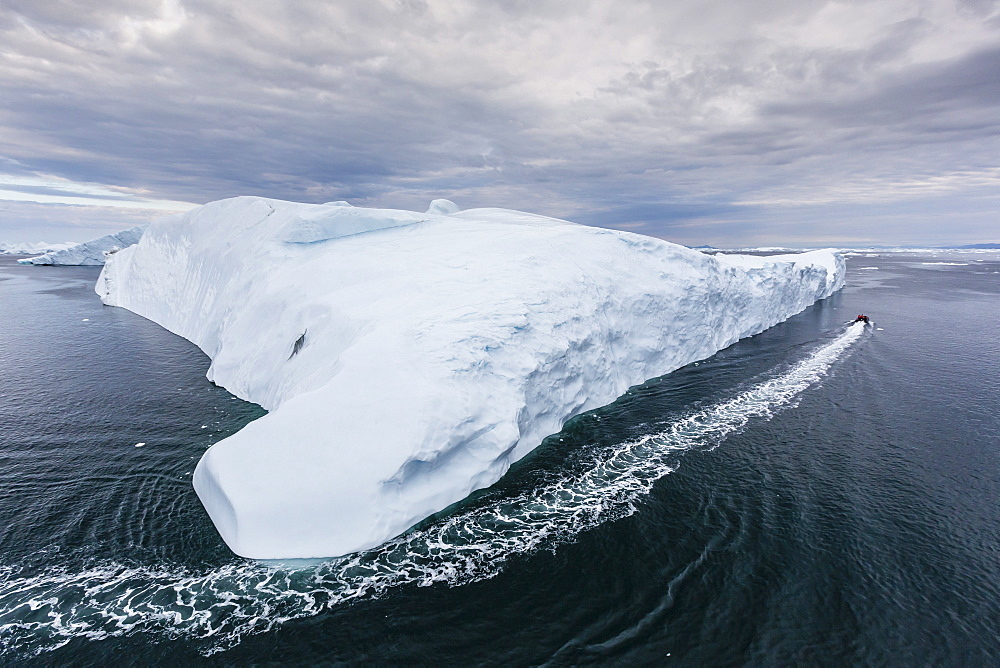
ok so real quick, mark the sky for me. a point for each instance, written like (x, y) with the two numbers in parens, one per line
(774, 122)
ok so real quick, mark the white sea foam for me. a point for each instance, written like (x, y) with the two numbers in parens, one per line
(44, 611)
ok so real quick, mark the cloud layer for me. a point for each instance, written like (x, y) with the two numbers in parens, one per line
(801, 121)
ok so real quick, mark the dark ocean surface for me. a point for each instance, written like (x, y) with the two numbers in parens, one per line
(818, 494)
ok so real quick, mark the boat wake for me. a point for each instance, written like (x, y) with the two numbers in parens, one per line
(43, 611)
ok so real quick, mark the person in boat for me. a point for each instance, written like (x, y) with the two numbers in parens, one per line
(862, 318)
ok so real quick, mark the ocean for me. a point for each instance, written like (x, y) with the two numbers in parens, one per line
(819, 494)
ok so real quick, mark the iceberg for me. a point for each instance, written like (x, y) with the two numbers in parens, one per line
(32, 247)
(89, 253)
(408, 359)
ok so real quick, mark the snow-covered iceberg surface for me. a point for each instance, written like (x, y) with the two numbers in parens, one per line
(408, 359)
(90, 252)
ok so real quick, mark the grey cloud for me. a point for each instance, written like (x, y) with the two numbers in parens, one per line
(980, 8)
(71, 15)
(393, 103)
(29, 222)
(45, 190)
(969, 84)
(241, 115)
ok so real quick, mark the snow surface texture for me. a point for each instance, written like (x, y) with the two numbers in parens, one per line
(408, 359)
(32, 248)
(90, 252)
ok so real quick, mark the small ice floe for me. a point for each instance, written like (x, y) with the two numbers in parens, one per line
(879, 329)
(139, 445)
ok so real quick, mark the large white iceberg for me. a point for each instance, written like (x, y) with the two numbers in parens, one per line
(91, 252)
(408, 359)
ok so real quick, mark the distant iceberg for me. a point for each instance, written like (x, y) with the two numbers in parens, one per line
(32, 247)
(90, 252)
(408, 359)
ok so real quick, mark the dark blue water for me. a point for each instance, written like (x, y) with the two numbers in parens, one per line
(816, 494)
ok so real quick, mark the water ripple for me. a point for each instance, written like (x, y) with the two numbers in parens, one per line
(43, 611)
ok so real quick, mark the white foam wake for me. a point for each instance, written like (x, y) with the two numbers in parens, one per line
(44, 611)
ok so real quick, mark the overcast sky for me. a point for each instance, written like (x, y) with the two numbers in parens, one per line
(798, 122)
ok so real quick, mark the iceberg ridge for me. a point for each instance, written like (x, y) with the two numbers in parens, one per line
(408, 359)
(89, 253)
